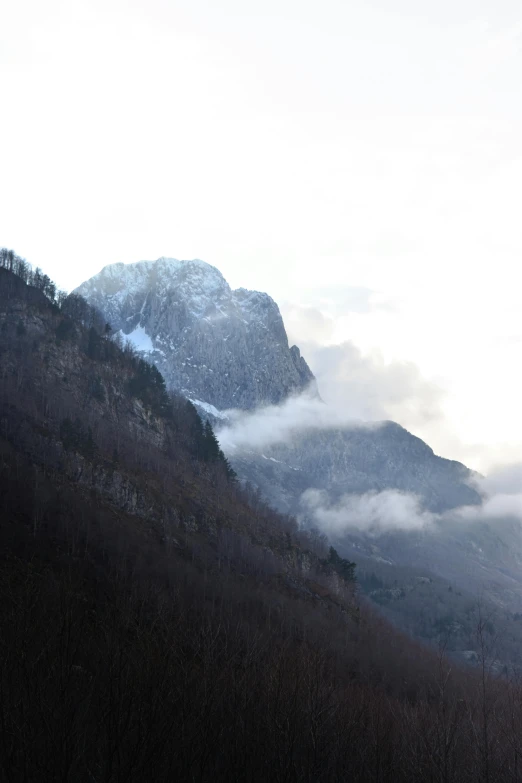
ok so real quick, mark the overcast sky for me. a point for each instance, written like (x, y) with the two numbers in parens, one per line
(361, 161)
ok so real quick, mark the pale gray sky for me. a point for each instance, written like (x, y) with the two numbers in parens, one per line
(359, 160)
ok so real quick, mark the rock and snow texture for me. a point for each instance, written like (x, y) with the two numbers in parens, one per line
(226, 348)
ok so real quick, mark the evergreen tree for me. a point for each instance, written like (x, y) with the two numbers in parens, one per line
(212, 452)
(345, 568)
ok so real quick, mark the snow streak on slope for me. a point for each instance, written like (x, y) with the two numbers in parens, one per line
(139, 339)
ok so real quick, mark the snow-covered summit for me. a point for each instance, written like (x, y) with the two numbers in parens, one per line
(198, 282)
(226, 347)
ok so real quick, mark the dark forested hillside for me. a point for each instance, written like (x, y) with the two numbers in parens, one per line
(159, 623)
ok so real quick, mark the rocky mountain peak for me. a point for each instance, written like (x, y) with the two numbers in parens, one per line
(226, 348)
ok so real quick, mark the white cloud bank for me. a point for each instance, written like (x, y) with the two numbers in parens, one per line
(391, 510)
(358, 391)
(373, 388)
(495, 507)
(372, 512)
(381, 512)
(502, 489)
(274, 424)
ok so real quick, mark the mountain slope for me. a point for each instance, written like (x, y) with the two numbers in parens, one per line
(159, 624)
(356, 460)
(147, 298)
(228, 349)
(225, 348)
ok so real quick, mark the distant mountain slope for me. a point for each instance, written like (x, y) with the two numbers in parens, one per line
(223, 347)
(357, 460)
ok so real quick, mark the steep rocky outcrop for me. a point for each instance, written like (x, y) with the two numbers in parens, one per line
(222, 347)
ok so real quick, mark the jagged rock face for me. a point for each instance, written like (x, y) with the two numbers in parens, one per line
(227, 348)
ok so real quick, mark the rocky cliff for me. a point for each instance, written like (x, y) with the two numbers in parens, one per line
(221, 347)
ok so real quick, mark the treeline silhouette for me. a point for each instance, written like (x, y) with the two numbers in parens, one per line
(160, 623)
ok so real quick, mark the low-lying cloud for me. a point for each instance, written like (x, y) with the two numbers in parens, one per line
(357, 389)
(502, 492)
(505, 480)
(376, 512)
(364, 391)
(381, 512)
(392, 510)
(273, 424)
(494, 507)
(372, 388)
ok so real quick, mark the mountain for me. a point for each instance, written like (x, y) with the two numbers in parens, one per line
(478, 558)
(457, 561)
(358, 460)
(160, 622)
(228, 349)
(224, 348)
(157, 623)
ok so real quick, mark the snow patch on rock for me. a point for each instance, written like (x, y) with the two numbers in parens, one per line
(211, 409)
(140, 340)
